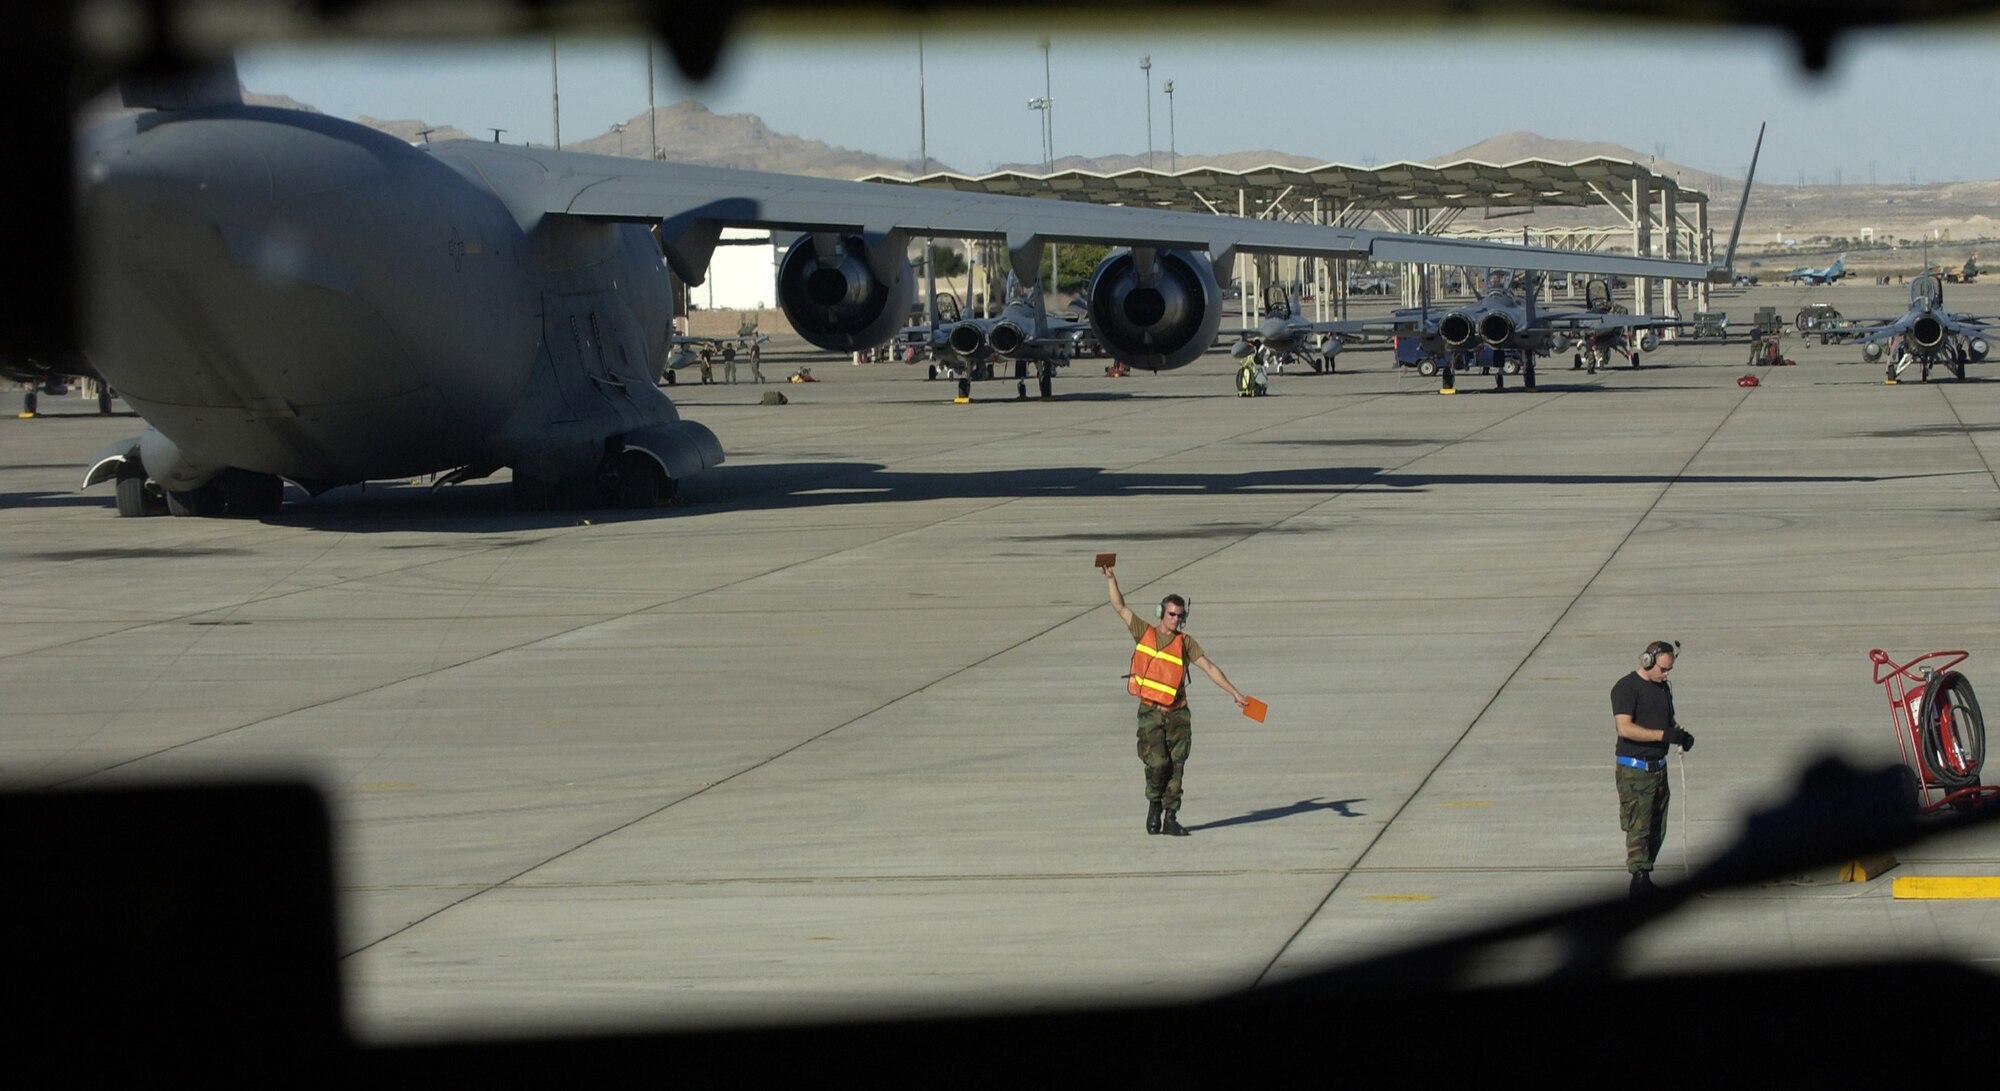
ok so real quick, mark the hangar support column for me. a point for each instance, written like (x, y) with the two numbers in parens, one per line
(1642, 243)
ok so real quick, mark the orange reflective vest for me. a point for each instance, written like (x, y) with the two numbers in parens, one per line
(1158, 673)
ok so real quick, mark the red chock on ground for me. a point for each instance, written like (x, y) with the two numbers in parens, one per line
(1748, 380)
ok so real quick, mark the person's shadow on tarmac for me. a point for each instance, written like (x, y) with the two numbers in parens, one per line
(1303, 806)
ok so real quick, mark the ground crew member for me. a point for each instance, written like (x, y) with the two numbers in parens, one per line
(756, 360)
(1642, 712)
(729, 367)
(1159, 679)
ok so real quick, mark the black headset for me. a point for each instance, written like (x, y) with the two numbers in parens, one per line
(1187, 608)
(1657, 649)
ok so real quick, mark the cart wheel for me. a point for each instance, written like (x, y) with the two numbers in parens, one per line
(1952, 736)
(1911, 788)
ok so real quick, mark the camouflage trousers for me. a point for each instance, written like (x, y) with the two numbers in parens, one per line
(1164, 738)
(1642, 814)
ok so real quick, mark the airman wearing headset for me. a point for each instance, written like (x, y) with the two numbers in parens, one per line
(1160, 659)
(1642, 711)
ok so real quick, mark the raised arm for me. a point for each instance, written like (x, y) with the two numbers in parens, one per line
(1117, 599)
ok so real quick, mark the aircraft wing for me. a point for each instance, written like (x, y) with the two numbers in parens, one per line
(692, 204)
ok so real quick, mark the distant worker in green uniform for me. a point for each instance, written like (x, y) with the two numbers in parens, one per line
(1160, 662)
(1642, 711)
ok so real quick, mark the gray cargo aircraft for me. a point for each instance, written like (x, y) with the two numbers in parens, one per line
(1926, 335)
(288, 296)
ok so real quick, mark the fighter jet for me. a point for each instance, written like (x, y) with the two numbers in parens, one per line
(1806, 274)
(287, 296)
(1283, 336)
(1505, 326)
(1925, 335)
(1022, 335)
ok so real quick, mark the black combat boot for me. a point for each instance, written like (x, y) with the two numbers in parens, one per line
(1153, 817)
(1642, 885)
(1171, 825)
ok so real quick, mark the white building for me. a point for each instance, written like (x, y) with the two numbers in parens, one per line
(742, 275)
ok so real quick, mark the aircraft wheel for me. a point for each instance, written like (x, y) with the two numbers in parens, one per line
(930, 372)
(205, 501)
(1047, 386)
(132, 499)
(1576, 361)
(249, 495)
(1510, 368)
(533, 494)
(639, 481)
(1427, 368)
(670, 377)
(1020, 368)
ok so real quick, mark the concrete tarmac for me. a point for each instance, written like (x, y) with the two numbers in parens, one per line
(844, 734)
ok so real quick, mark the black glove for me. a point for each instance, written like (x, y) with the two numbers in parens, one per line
(1678, 735)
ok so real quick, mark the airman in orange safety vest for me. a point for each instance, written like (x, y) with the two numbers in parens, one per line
(1162, 653)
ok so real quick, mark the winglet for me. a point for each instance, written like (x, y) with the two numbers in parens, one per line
(1728, 270)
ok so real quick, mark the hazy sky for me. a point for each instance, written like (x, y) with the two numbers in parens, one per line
(1896, 105)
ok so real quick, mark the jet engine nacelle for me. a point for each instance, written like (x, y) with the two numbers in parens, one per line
(1927, 332)
(1496, 330)
(1007, 338)
(1457, 329)
(1157, 318)
(1648, 341)
(1975, 349)
(1009, 335)
(966, 338)
(835, 298)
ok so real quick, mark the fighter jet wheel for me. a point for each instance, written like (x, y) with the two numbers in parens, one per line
(1635, 360)
(1576, 361)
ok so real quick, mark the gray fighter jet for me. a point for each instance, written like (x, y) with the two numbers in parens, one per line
(288, 296)
(1926, 335)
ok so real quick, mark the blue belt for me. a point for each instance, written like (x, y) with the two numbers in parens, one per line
(1642, 763)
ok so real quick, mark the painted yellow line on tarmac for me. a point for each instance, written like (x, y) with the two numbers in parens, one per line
(1946, 886)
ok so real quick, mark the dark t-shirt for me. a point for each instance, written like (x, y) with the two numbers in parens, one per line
(1138, 627)
(1650, 704)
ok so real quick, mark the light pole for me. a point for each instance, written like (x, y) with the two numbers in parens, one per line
(1173, 151)
(1043, 104)
(619, 128)
(1146, 66)
(1048, 111)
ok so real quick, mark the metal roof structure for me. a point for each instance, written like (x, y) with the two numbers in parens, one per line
(1652, 208)
(1468, 183)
